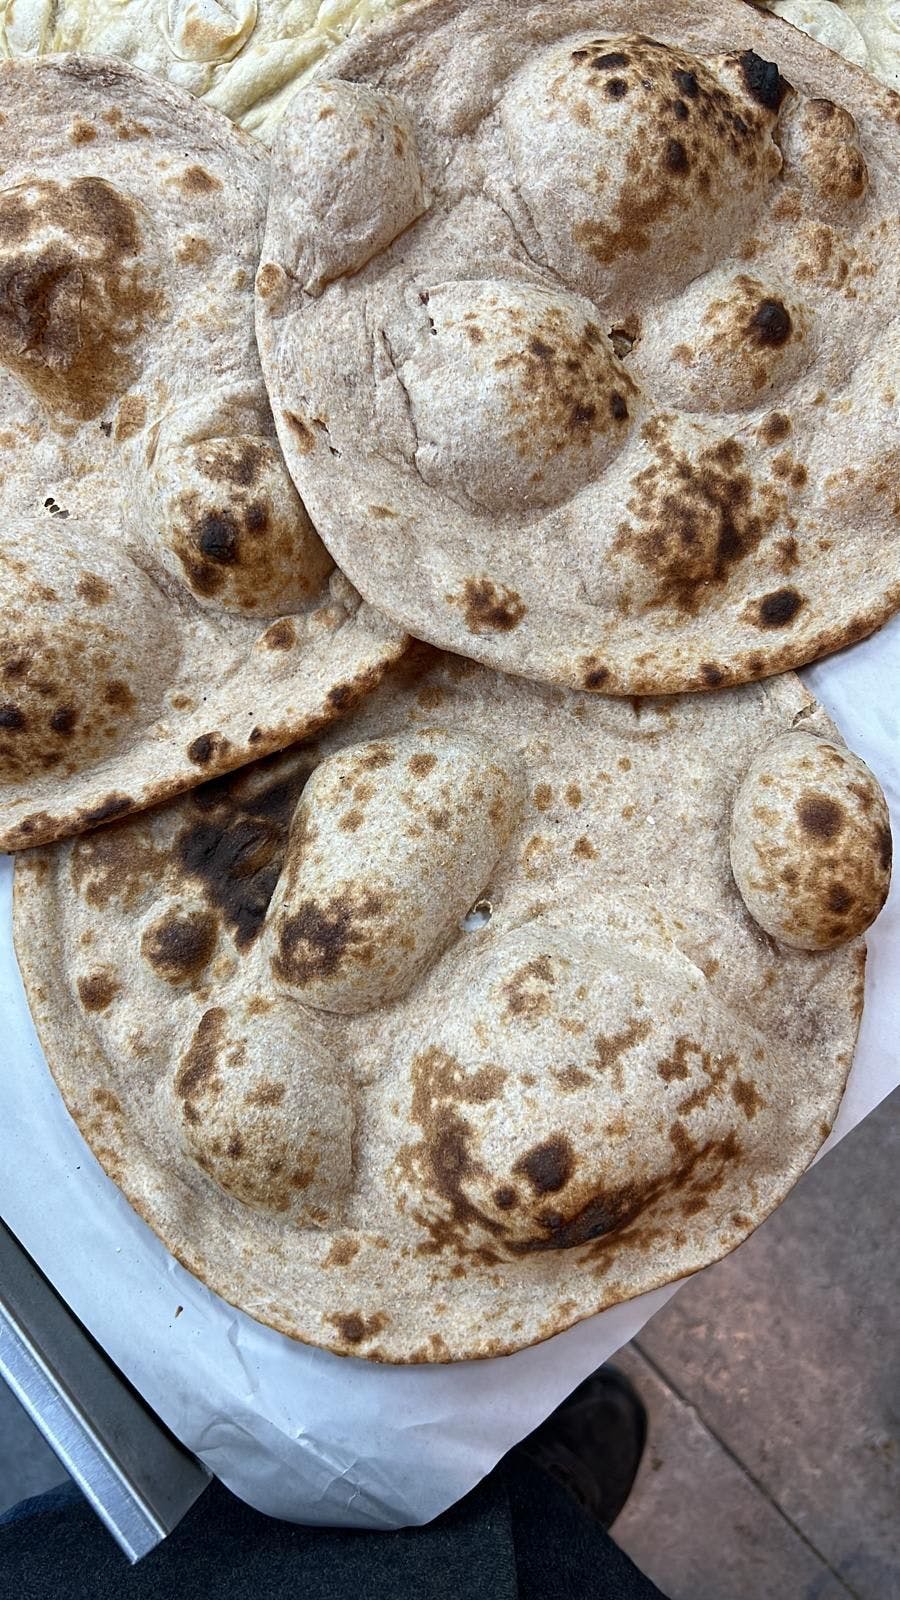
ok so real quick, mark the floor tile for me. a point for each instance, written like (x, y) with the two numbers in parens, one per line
(696, 1524)
(788, 1350)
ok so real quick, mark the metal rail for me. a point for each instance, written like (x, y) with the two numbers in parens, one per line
(135, 1474)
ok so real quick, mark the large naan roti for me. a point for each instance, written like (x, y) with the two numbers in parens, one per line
(245, 57)
(428, 1039)
(168, 610)
(581, 331)
(866, 32)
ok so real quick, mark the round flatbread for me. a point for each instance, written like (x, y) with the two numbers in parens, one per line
(244, 57)
(428, 1039)
(168, 609)
(582, 337)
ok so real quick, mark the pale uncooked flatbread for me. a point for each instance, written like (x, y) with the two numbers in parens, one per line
(583, 348)
(427, 1040)
(866, 32)
(245, 57)
(168, 610)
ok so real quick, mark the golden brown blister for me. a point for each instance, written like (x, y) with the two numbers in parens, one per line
(811, 842)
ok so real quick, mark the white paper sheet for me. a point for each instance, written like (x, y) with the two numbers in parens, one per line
(296, 1432)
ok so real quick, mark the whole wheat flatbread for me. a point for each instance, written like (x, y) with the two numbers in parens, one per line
(244, 57)
(428, 1039)
(583, 348)
(168, 609)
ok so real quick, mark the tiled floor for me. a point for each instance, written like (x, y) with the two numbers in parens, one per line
(773, 1386)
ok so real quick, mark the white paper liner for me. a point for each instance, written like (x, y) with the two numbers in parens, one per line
(297, 1432)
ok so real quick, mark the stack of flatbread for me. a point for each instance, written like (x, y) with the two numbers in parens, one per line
(481, 461)
(169, 611)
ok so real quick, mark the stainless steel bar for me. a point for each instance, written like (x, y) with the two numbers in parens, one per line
(135, 1474)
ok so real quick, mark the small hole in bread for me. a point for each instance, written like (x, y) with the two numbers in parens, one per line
(479, 916)
(621, 342)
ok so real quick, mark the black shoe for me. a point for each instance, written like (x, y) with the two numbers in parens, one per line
(593, 1443)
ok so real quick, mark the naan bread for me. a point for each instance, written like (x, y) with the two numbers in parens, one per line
(428, 1039)
(244, 57)
(866, 32)
(168, 610)
(583, 348)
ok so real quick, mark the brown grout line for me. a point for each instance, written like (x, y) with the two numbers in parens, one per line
(756, 1482)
